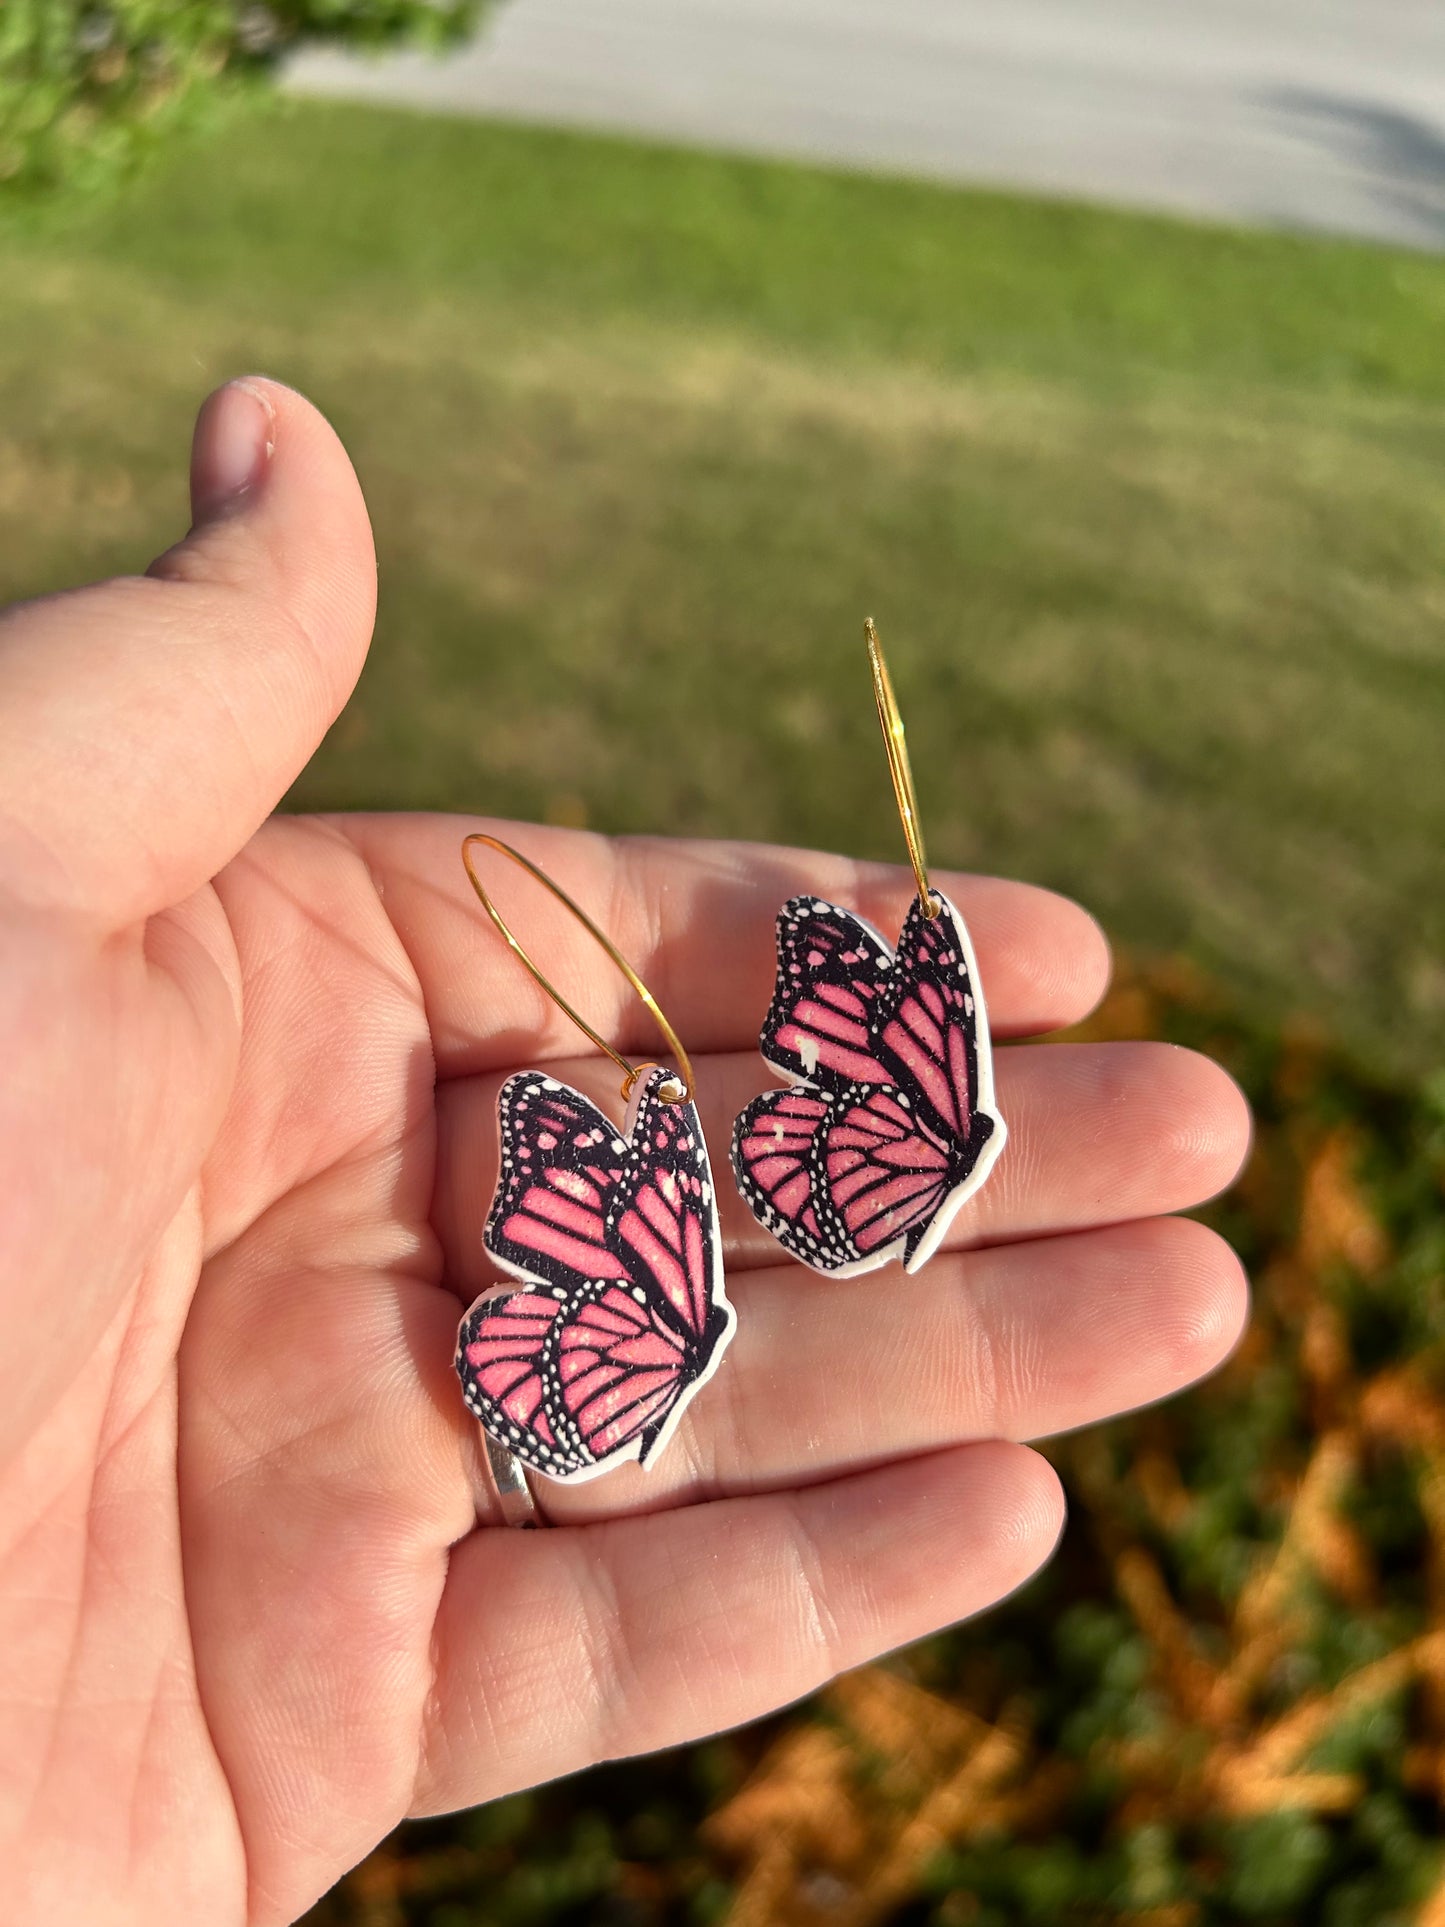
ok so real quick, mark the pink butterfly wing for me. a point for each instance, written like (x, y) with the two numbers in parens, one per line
(507, 1353)
(930, 1037)
(832, 970)
(886, 1177)
(662, 1228)
(562, 1166)
(778, 1148)
(621, 1369)
(837, 1177)
(568, 1384)
(843, 1168)
(617, 1239)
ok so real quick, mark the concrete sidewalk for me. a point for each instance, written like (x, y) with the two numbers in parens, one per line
(1293, 113)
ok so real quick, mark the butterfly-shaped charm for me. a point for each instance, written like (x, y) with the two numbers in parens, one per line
(889, 1121)
(623, 1314)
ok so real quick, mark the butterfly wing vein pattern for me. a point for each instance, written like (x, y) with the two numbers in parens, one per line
(888, 1122)
(622, 1314)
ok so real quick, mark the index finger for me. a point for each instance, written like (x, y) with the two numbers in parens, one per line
(694, 918)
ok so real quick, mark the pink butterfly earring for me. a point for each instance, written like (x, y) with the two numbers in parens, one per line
(613, 1235)
(888, 1121)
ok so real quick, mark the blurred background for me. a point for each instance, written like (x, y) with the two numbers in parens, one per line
(1095, 347)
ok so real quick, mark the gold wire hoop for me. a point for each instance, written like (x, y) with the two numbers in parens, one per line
(899, 768)
(631, 1072)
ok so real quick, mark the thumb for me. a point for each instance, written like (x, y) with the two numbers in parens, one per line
(148, 725)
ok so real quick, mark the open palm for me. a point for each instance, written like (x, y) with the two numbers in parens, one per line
(254, 1607)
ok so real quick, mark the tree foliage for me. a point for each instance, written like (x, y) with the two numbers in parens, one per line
(85, 89)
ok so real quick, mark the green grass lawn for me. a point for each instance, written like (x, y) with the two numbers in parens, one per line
(1150, 515)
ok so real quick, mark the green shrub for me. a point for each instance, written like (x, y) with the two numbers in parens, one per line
(86, 89)
(1223, 1705)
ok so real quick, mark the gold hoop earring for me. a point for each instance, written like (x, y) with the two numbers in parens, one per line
(888, 1122)
(613, 1234)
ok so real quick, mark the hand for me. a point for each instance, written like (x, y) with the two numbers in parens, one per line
(252, 1608)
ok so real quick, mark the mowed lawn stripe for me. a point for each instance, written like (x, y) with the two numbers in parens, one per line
(1150, 515)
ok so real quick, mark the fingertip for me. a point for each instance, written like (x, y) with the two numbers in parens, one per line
(1176, 1124)
(1236, 1124)
(279, 513)
(1045, 960)
(1005, 1512)
(231, 447)
(1072, 966)
(1211, 1126)
(317, 528)
(1204, 1305)
(1077, 974)
(1031, 1508)
(1095, 953)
